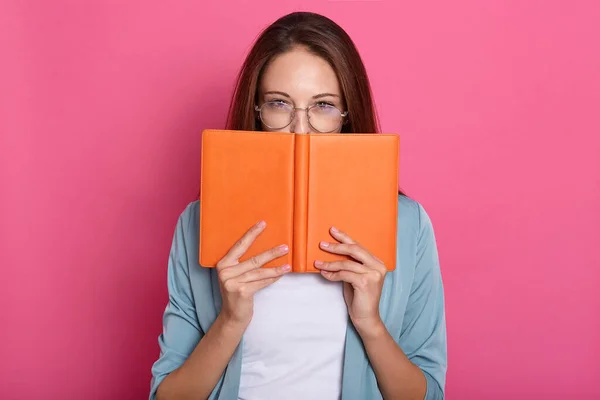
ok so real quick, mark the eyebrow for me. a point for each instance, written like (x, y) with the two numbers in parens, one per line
(318, 96)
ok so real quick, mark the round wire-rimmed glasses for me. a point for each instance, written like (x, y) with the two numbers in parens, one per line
(322, 117)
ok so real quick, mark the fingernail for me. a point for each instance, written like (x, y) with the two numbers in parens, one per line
(334, 229)
(261, 224)
(284, 248)
(324, 244)
(285, 267)
(318, 263)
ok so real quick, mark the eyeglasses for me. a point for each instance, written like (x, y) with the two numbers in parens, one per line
(322, 117)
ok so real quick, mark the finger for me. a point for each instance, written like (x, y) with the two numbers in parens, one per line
(356, 280)
(257, 285)
(254, 262)
(350, 249)
(242, 245)
(342, 236)
(264, 273)
(344, 265)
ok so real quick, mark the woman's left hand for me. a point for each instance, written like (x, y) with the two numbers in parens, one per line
(363, 280)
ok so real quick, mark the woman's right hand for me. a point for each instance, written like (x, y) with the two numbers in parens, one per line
(239, 281)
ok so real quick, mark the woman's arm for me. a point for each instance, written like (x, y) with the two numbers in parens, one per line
(184, 347)
(199, 374)
(192, 361)
(397, 376)
(414, 367)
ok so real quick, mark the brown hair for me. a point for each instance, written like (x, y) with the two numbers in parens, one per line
(323, 37)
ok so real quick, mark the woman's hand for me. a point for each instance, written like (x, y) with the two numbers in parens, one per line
(363, 280)
(239, 281)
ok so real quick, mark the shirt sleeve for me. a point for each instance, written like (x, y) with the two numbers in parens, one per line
(181, 329)
(423, 335)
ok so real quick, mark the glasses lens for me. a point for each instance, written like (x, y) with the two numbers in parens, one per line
(325, 117)
(276, 114)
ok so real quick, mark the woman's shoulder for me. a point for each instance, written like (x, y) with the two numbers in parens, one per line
(415, 239)
(191, 210)
(189, 218)
(184, 248)
(413, 219)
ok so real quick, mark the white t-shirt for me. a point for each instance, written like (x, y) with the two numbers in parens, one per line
(294, 345)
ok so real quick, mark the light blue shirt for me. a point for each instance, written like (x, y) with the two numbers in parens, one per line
(411, 307)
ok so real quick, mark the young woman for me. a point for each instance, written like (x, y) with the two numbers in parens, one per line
(239, 331)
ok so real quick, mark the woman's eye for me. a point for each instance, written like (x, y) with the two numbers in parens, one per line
(278, 103)
(324, 104)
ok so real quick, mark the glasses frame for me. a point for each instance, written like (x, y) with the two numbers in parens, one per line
(343, 115)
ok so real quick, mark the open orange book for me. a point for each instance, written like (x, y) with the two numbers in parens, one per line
(300, 185)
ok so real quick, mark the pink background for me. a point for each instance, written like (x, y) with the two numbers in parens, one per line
(101, 106)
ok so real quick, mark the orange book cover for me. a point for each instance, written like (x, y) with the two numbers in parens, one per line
(301, 185)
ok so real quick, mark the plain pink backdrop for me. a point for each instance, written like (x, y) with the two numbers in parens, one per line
(101, 107)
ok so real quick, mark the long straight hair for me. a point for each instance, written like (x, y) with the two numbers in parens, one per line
(323, 37)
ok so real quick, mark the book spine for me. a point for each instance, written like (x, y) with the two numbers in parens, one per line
(301, 154)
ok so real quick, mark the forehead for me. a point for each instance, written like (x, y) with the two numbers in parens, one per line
(300, 73)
